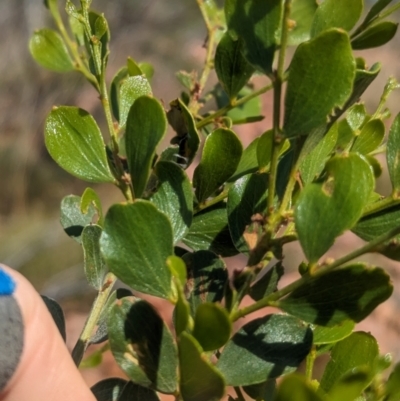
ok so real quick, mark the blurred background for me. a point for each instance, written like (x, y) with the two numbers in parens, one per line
(169, 35)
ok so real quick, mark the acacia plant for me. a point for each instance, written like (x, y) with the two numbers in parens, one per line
(309, 177)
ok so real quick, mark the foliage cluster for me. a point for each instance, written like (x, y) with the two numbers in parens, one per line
(309, 178)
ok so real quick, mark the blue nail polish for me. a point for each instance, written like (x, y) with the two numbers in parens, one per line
(7, 284)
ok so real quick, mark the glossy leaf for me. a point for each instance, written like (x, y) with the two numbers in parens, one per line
(72, 219)
(370, 137)
(74, 141)
(248, 162)
(182, 121)
(210, 231)
(212, 326)
(296, 388)
(268, 283)
(207, 278)
(232, 68)
(266, 347)
(256, 23)
(334, 205)
(131, 89)
(246, 197)
(358, 350)
(322, 66)
(375, 36)
(199, 380)
(108, 389)
(174, 197)
(264, 149)
(49, 50)
(136, 242)
(90, 197)
(57, 314)
(94, 265)
(302, 15)
(336, 14)
(145, 128)
(356, 116)
(352, 292)
(313, 164)
(393, 154)
(211, 173)
(142, 345)
(115, 91)
(328, 335)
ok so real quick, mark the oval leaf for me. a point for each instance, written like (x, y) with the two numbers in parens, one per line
(131, 89)
(371, 136)
(174, 197)
(296, 388)
(232, 68)
(302, 13)
(352, 292)
(393, 155)
(49, 50)
(136, 242)
(212, 326)
(265, 348)
(199, 379)
(211, 173)
(145, 128)
(375, 36)
(321, 78)
(336, 14)
(329, 335)
(324, 211)
(74, 141)
(256, 22)
(142, 345)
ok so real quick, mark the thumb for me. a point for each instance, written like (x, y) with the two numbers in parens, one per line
(34, 362)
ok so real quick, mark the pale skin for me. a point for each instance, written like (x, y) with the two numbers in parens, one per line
(46, 370)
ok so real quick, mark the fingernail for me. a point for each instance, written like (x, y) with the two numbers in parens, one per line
(11, 329)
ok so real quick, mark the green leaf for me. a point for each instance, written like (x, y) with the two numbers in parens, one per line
(265, 348)
(321, 78)
(263, 391)
(72, 219)
(182, 121)
(142, 345)
(136, 242)
(210, 231)
(375, 36)
(108, 389)
(232, 68)
(256, 22)
(356, 116)
(351, 385)
(57, 314)
(212, 326)
(328, 335)
(393, 154)
(336, 14)
(268, 283)
(211, 173)
(131, 89)
(248, 162)
(376, 9)
(115, 91)
(94, 265)
(74, 141)
(174, 197)
(199, 379)
(334, 205)
(145, 128)
(90, 197)
(302, 15)
(370, 137)
(352, 292)
(207, 277)
(393, 384)
(296, 388)
(358, 350)
(49, 50)
(264, 149)
(313, 164)
(133, 67)
(246, 197)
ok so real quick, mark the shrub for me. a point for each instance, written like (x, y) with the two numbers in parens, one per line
(309, 178)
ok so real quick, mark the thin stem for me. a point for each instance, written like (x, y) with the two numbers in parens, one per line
(380, 205)
(211, 202)
(271, 299)
(239, 394)
(91, 322)
(221, 112)
(310, 362)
